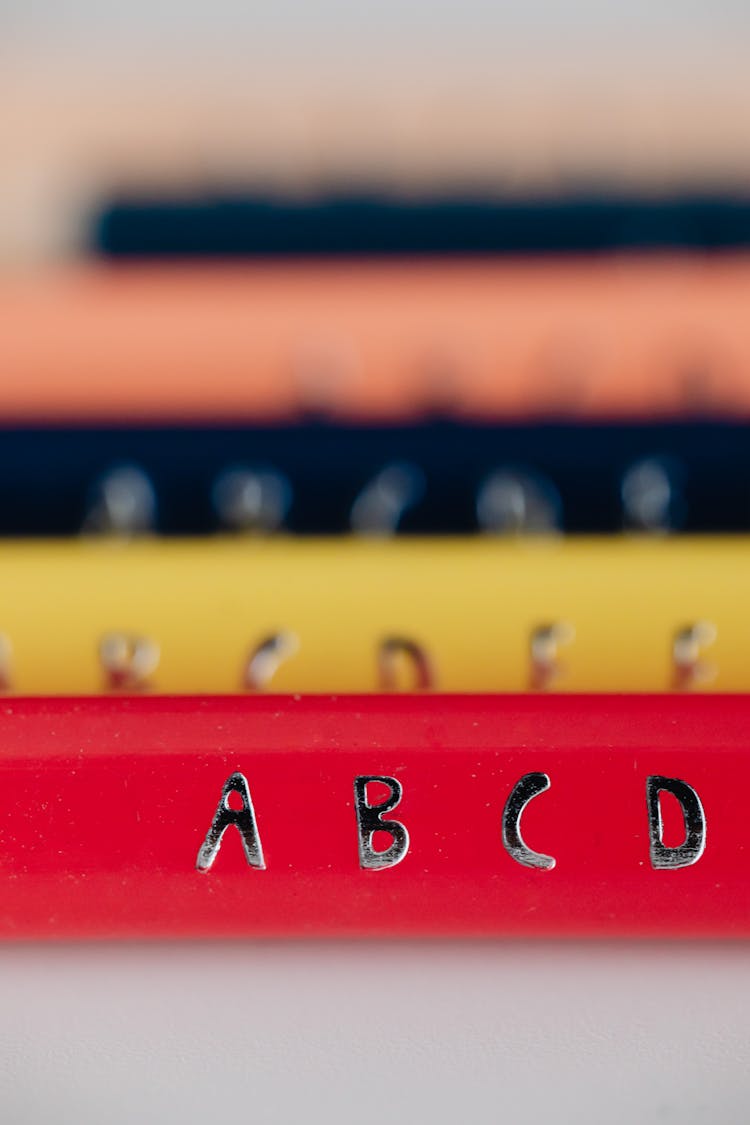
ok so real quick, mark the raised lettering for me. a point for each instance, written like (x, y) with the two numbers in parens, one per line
(690, 851)
(370, 820)
(243, 820)
(530, 786)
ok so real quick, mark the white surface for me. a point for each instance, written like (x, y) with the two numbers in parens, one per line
(375, 1034)
(156, 24)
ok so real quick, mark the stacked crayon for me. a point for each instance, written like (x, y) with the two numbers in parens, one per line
(411, 541)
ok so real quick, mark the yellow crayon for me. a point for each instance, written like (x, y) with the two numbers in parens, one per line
(345, 615)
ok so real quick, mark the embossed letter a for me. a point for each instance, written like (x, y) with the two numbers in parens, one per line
(243, 820)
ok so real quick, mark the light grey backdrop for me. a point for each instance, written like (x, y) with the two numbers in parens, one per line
(367, 1034)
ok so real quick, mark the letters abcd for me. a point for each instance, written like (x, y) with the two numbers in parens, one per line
(391, 816)
(632, 613)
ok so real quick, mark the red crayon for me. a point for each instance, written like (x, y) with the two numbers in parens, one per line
(379, 815)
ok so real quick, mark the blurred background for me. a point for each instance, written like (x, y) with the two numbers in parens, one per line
(412, 267)
(170, 101)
